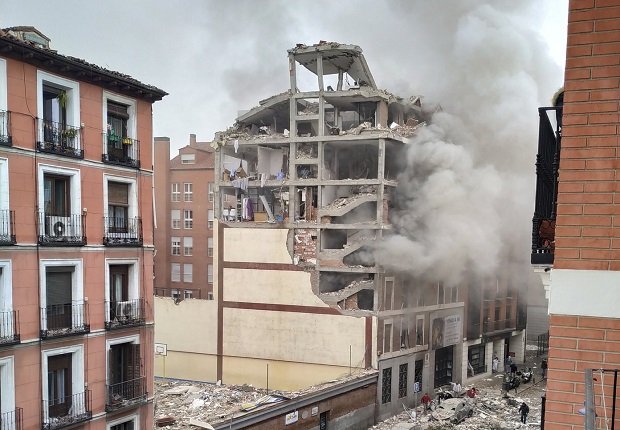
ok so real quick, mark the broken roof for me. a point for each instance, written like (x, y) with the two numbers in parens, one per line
(336, 56)
(74, 68)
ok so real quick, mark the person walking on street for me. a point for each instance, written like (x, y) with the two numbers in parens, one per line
(426, 401)
(513, 370)
(524, 410)
(543, 366)
(495, 364)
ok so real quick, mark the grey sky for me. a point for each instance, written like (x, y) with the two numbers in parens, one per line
(218, 57)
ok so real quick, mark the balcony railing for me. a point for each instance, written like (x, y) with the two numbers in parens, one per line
(11, 420)
(67, 411)
(500, 325)
(5, 128)
(122, 231)
(9, 328)
(61, 230)
(125, 394)
(123, 151)
(7, 227)
(547, 164)
(59, 138)
(124, 314)
(64, 320)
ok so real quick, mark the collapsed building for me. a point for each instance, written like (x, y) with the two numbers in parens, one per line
(304, 187)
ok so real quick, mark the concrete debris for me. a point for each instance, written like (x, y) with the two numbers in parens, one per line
(197, 423)
(343, 201)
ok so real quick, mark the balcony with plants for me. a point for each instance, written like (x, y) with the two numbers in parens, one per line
(60, 139)
(5, 128)
(120, 150)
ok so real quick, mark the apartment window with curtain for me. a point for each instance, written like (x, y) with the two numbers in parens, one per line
(176, 245)
(176, 192)
(188, 192)
(118, 206)
(188, 217)
(175, 215)
(187, 272)
(188, 246)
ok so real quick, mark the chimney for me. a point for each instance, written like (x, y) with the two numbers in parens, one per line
(192, 140)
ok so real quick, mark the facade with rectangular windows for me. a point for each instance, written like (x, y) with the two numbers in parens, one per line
(184, 206)
(76, 327)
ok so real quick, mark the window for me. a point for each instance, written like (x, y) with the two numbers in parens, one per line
(209, 295)
(120, 125)
(386, 386)
(7, 394)
(387, 337)
(59, 385)
(4, 131)
(124, 423)
(417, 375)
(175, 215)
(454, 294)
(210, 247)
(176, 192)
(419, 330)
(118, 207)
(188, 158)
(441, 294)
(188, 217)
(388, 299)
(63, 382)
(188, 246)
(175, 275)
(210, 219)
(60, 202)
(7, 327)
(62, 299)
(58, 106)
(404, 334)
(210, 273)
(443, 365)
(56, 195)
(176, 245)
(125, 381)
(188, 294)
(121, 293)
(175, 294)
(188, 192)
(476, 359)
(402, 380)
(211, 194)
(187, 272)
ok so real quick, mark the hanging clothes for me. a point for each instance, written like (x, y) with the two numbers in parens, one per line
(250, 209)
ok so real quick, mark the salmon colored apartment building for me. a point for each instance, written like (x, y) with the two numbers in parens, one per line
(184, 195)
(76, 241)
(576, 235)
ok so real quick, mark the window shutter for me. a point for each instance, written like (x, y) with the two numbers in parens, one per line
(117, 110)
(118, 194)
(58, 285)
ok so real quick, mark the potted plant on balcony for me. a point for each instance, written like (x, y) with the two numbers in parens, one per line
(67, 138)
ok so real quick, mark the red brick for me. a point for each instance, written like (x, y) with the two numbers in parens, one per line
(606, 48)
(582, 365)
(557, 426)
(575, 120)
(583, 27)
(595, 254)
(559, 407)
(580, 264)
(577, 96)
(584, 220)
(603, 141)
(586, 198)
(557, 364)
(562, 343)
(571, 187)
(560, 386)
(589, 130)
(578, 61)
(575, 332)
(572, 418)
(599, 187)
(572, 164)
(593, 345)
(602, 164)
(614, 265)
(612, 358)
(604, 95)
(607, 3)
(612, 335)
(593, 38)
(587, 175)
(597, 84)
(605, 118)
(604, 323)
(563, 321)
(606, 25)
(588, 153)
(574, 74)
(604, 72)
(569, 210)
(601, 209)
(580, 4)
(596, 231)
(566, 253)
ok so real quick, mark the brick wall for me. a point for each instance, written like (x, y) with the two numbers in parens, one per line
(588, 225)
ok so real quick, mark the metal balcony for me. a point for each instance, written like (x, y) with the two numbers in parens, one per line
(125, 394)
(125, 314)
(547, 164)
(61, 139)
(5, 128)
(64, 320)
(122, 231)
(67, 411)
(500, 325)
(122, 151)
(12, 420)
(62, 230)
(7, 228)
(9, 329)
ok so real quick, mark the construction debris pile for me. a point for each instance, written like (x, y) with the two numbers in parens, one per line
(190, 404)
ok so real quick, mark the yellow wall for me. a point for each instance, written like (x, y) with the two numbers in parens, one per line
(256, 245)
(186, 365)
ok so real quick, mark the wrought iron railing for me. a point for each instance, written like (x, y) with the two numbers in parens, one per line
(125, 394)
(7, 227)
(64, 320)
(12, 420)
(124, 313)
(67, 410)
(9, 328)
(120, 231)
(62, 230)
(59, 138)
(492, 326)
(119, 150)
(547, 165)
(5, 128)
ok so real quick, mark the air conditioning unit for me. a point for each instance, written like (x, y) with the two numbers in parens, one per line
(124, 309)
(58, 226)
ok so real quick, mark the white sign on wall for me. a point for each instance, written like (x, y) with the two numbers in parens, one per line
(291, 418)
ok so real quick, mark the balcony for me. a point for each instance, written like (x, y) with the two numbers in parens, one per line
(125, 394)
(7, 227)
(67, 411)
(122, 231)
(60, 230)
(122, 151)
(64, 320)
(547, 164)
(61, 139)
(9, 330)
(5, 128)
(12, 420)
(125, 314)
(500, 325)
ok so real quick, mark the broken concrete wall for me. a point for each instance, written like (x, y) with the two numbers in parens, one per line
(305, 245)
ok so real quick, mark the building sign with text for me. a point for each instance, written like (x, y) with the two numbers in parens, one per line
(446, 331)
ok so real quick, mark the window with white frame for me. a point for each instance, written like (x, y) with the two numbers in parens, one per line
(388, 298)
(420, 338)
(176, 245)
(188, 192)
(210, 273)
(62, 295)
(175, 294)
(387, 336)
(211, 194)
(188, 218)
(175, 215)
(122, 279)
(188, 268)
(210, 247)
(58, 107)
(188, 246)
(4, 116)
(210, 215)
(7, 382)
(188, 294)
(60, 199)
(188, 158)
(453, 293)
(175, 272)
(209, 295)
(120, 198)
(176, 192)
(131, 422)
(7, 322)
(119, 122)
(63, 381)
(124, 369)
